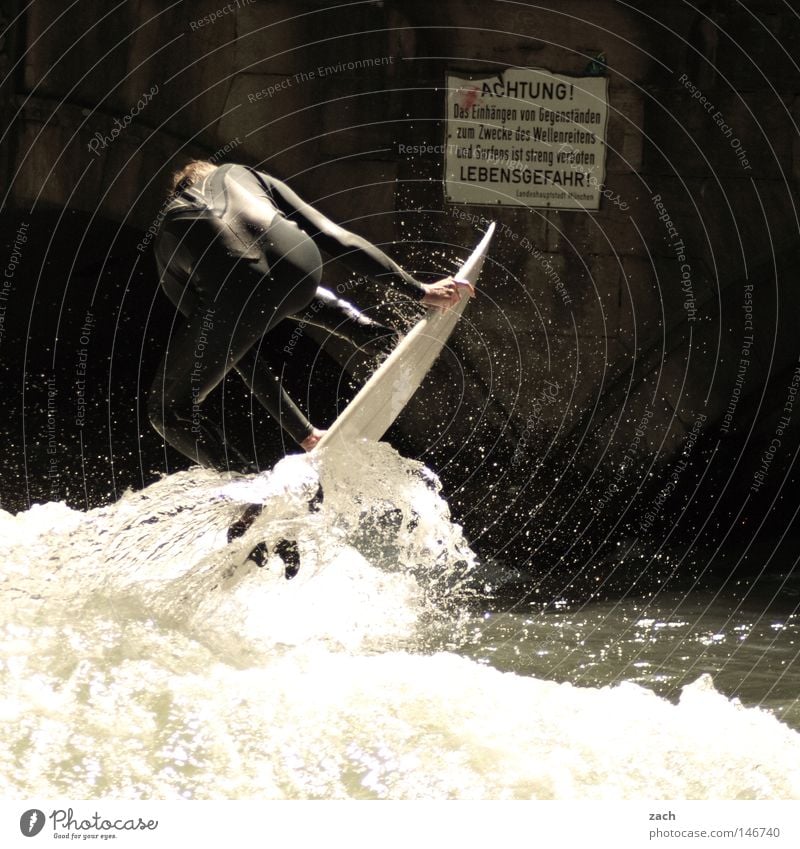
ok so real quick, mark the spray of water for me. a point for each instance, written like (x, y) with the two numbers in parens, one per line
(142, 655)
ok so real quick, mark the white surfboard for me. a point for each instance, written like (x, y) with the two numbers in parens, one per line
(370, 414)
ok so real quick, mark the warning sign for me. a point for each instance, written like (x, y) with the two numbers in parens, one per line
(526, 137)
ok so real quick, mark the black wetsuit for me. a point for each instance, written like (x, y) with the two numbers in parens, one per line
(239, 252)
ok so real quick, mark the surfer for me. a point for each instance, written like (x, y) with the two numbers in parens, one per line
(238, 252)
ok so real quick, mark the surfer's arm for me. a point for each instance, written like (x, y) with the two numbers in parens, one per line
(355, 252)
(445, 293)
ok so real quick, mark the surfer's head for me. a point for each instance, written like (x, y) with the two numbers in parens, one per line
(193, 172)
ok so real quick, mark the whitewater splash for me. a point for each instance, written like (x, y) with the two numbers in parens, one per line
(363, 531)
(143, 656)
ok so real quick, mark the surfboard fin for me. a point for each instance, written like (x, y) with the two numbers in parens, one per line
(259, 555)
(286, 549)
(239, 527)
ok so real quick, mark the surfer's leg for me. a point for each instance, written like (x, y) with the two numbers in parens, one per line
(343, 319)
(238, 300)
(295, 268)
(268, 390)
(241, 525)
(190, 369)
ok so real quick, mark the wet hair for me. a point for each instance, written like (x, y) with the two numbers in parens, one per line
(191, 173)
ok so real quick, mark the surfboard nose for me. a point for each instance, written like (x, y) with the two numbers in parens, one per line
(371, 413)
(471, 269)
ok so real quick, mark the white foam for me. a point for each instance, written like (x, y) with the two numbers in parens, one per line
(141, 658)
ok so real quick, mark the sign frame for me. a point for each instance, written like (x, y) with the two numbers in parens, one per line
(454, 79)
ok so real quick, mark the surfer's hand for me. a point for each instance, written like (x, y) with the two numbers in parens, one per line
(445, 293)
(310, 441)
